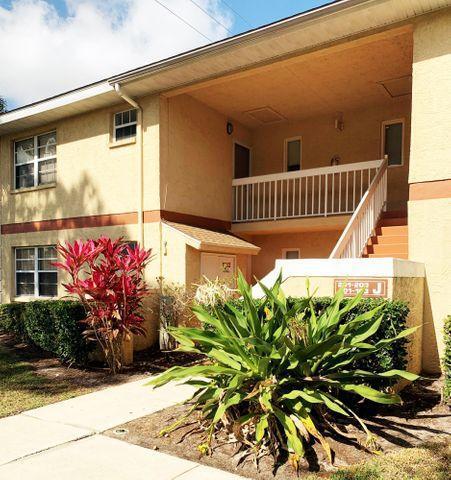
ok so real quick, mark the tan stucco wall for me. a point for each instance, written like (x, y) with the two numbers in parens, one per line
(407, 289)
(196, 160)
(55, 236)
(360, 141)
(429, 242)
(431, 99)
(310, 244)
(430, 220)
(92, 178)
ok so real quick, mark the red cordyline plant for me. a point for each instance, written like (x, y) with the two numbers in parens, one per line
(107, 276)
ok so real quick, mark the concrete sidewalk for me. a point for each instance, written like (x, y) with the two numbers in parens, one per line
(64, 440)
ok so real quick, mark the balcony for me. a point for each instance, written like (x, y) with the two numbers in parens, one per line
(317, 192)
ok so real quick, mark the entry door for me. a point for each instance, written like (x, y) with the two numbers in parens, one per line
(242, 161)
(223, 267)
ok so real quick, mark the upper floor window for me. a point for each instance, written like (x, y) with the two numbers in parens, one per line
(393, 141)
(124, 125)
(293, 154)
(291, 253)
(35, 160)
(35, 274)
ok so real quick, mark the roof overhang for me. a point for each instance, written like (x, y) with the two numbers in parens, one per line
(211, 241)
(78, 101)
(337, 21)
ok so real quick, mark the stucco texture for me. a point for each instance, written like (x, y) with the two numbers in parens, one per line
(430, 219)
(431, 99)
(310, 244)
(429, 242)
(196, 160)
(93, 175)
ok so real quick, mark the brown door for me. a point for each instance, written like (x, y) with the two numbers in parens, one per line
(242, 159)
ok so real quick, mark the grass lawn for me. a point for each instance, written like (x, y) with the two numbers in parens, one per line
(21, 388)
(431, 461)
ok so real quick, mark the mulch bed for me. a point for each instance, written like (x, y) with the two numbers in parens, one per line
(420, 419)
(95, 376)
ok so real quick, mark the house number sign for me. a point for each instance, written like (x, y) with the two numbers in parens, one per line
(373, 287)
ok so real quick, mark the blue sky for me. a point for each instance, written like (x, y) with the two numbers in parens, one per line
(70, 43)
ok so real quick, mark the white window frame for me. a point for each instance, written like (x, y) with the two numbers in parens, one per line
(285, 152)
(393, 122)
(36, 160)
(235, 142)
(36, 272)
(129, 124)
(285, 250)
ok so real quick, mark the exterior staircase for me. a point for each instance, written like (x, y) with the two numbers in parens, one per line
(390, 237)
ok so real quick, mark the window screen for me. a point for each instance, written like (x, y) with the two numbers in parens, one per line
(35, 274)
(35, 160)
(124, 125)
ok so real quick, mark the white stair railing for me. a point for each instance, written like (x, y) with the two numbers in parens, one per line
(365, 217)
(304, 193)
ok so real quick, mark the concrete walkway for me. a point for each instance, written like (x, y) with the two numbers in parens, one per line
(64, 441)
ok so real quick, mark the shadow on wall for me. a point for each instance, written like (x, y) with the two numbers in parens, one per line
(431, 358)
(53, 203)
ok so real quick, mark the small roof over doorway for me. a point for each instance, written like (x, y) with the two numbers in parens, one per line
(210, 241)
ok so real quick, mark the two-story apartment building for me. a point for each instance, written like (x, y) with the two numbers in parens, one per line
(322, 135)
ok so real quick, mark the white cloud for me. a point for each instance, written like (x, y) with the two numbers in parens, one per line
(44, 53)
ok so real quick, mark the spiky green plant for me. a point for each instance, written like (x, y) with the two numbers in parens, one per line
(276, 376)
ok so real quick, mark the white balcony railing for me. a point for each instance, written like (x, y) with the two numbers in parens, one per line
(364, 220)
(304, 193)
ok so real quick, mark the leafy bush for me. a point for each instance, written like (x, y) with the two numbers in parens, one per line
(277, 371)
(11, 320)
(53, 325)
(107, 276)
(394, 317)
(447, 358)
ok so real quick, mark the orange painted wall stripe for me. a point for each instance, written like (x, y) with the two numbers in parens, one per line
(430, 190)
(114, 219)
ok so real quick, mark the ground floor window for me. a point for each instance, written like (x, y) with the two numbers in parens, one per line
(291, 253)
(35, 274)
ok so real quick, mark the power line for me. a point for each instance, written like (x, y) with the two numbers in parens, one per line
(183, 20)
(237, 13)
(211, 16)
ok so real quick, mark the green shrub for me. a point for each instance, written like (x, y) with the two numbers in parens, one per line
(394, 318)
(52, 325)
(447, 358)
(277, 370)
(12, 321)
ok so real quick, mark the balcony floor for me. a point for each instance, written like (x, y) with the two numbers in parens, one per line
(306, 224)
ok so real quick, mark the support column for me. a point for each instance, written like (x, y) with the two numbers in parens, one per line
(429, 207)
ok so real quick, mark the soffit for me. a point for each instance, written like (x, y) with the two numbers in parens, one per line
(340, 80)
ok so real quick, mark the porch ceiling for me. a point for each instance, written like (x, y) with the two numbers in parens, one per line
(341, 78)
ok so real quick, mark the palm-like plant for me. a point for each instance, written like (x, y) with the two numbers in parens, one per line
(276, 375)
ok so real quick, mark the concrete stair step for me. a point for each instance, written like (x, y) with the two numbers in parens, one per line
(390, 249)
(395, 214)
(392, 230)
(389, 222)
(384, 239)
(382, 255)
